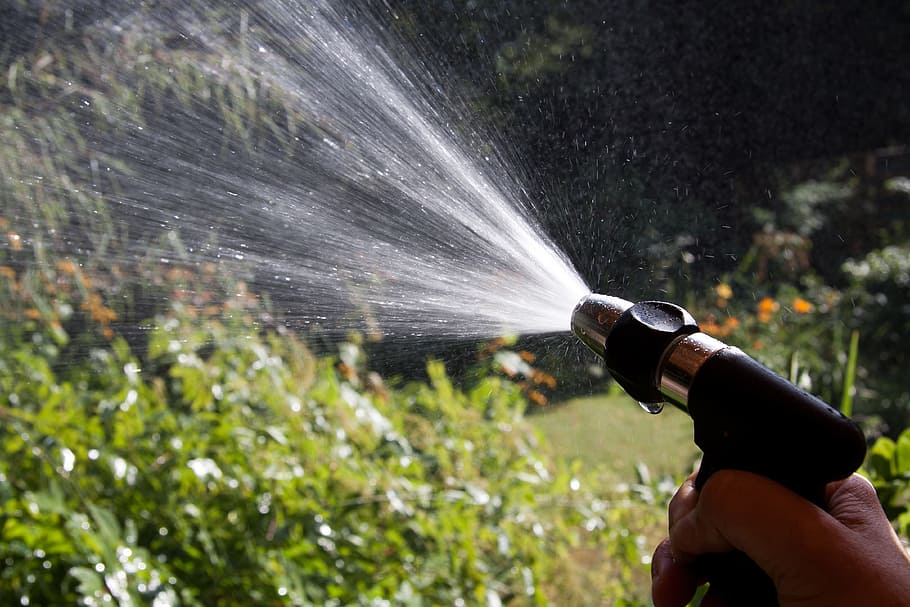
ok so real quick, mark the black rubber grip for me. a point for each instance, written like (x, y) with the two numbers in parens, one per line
(746, 417)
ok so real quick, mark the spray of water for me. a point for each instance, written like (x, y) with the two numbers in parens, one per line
(389, 214)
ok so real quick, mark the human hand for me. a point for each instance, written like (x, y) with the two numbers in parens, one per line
(847, 554)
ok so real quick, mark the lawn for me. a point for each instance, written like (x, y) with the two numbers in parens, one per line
(613, 431)
(612, 434)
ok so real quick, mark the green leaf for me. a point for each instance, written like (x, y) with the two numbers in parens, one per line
(902, 454)
(107, 524)
(880, 460)
(53, 500)
(89, 582)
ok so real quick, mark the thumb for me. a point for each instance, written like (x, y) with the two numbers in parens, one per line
(785, 534)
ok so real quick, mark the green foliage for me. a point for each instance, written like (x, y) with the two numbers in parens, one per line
(228, 465)
(534, 56)
(888, 467)
(807, 206)
(797, 300)
(74, 106)
(846, 402)
(880, 284)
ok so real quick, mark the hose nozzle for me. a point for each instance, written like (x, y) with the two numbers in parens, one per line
(745, 415)
(636, 341)
(594, 317)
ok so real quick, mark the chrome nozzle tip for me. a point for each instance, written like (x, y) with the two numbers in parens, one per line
(593, 318)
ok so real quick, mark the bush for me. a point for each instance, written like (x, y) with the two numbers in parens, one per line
(228, 465)
(879, 290)
(888, 467)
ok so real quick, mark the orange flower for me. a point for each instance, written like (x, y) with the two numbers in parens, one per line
(492, 347)
(15, 241)
(768, 305)
(541, 377)
(537, 398)
(66, 266)
(711, 328)
(100, 313)
(801, 306)
(526, 356)
(346, 371)
(723, 291)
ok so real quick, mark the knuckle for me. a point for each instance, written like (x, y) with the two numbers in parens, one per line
(860, 488)
(719, 490)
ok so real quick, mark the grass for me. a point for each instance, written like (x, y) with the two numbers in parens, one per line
(612, 434)
(612, 431)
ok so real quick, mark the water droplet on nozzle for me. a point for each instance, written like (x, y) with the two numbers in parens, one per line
(652, 408)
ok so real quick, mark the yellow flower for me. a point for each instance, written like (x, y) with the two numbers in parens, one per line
(723, 291)
(801, 306)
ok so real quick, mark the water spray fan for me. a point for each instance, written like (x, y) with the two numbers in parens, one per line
(745, 416)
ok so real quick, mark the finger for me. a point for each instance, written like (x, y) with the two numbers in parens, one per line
(855, 504)
(683, 501)
(738, 510)
(672, 583)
